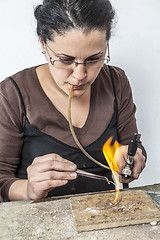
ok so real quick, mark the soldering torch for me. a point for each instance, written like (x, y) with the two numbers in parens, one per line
(132, 148)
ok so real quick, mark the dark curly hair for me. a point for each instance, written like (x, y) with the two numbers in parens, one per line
(60, 16)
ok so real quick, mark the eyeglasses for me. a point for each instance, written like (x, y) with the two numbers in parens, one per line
(94, 62)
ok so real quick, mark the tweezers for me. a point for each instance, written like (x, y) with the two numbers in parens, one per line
(90, 175)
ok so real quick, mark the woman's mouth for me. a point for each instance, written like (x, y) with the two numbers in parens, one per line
(77, 87)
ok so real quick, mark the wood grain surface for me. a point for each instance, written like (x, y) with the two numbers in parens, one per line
(93, 212)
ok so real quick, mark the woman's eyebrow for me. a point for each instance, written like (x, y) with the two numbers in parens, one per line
(96, 54)
(63, 54)
(66, 55)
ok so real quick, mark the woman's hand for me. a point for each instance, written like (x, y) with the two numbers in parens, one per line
(139, 163)
(47, 172)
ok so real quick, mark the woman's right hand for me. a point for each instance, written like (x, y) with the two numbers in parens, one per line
(47, 172)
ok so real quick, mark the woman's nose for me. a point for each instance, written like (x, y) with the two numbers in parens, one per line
(79, 72)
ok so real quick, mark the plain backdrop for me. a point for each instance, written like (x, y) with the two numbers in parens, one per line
(134, 46)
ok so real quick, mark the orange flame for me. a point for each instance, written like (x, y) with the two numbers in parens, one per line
(109, 152)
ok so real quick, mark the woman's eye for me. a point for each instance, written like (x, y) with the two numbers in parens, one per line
(93, 60)
(66, 61)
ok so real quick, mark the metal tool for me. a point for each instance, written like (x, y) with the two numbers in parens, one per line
(91, 175)
(132, 148)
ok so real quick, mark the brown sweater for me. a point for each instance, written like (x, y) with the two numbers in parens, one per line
(45, 117)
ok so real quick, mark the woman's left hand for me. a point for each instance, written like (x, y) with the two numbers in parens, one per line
(139, 163)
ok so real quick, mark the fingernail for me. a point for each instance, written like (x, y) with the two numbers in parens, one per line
(64, 181)
(72, 166)
(136, 175)
(73, 175)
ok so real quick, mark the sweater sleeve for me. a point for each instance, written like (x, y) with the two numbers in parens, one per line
(126, 121)
(11, 138)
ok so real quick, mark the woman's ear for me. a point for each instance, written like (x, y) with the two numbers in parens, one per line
(42, 44)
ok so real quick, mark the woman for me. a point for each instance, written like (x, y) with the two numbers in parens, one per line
(39, 157)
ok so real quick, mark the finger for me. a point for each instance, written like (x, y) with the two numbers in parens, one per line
(139, 164)
(40, 190)
(51, 156)
(50, 184)
(126, 180)
(120, 157)
(52, 165)
(53, 175)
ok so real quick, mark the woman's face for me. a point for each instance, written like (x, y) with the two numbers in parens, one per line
(80, 47)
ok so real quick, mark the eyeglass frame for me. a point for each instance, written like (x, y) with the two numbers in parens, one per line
(75, 62)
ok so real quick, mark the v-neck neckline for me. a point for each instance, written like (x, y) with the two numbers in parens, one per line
(61, 117)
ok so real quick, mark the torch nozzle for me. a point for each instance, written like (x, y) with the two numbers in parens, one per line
(132, 148)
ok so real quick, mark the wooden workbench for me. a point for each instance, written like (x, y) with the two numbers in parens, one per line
(53, 220)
